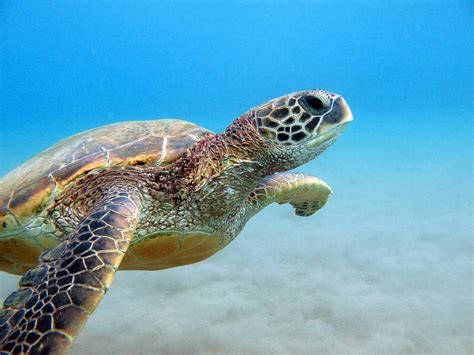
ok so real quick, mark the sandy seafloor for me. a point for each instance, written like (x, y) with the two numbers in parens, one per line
(385, 267)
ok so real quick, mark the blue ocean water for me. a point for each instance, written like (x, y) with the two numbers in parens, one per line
(385, 267)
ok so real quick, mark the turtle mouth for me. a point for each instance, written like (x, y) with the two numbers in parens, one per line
(329, 135)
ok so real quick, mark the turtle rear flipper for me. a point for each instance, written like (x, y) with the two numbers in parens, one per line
(57, 297)
(306, 193)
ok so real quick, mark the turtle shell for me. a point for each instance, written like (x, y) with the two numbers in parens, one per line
(26, 190)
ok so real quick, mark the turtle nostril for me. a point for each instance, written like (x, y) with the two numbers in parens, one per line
(313, 102)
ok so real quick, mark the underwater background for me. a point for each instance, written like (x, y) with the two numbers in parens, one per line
(385, 267)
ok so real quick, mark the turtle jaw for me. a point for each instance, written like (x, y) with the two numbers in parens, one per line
(329, 135)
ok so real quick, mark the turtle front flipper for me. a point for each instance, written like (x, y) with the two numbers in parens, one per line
(305, 193)
(57, 297)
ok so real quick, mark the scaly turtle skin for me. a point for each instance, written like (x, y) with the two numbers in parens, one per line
(28, 222)
(146, 195)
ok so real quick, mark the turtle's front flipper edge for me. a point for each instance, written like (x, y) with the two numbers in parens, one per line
(57, 297)
(306, 193)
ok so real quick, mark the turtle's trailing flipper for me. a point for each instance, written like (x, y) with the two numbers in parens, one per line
(57, 297)
(305, 193)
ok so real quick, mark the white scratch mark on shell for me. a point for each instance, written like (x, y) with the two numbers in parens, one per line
(107, 156)
(163, 151)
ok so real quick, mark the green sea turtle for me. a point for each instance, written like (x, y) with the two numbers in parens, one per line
(146, 195)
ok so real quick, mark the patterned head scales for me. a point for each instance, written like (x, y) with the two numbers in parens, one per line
(299, 117)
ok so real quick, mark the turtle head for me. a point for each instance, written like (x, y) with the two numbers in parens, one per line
(300, 126)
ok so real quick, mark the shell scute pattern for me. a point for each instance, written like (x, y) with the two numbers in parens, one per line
(28, 190)
(30, 186)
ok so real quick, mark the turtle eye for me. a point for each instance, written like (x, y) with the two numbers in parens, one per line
(312, 104)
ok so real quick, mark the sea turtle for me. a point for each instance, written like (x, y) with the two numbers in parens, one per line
(146, 195)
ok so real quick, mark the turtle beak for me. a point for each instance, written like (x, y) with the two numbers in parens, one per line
(344, 109)
(333, 123)
(340, 113)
